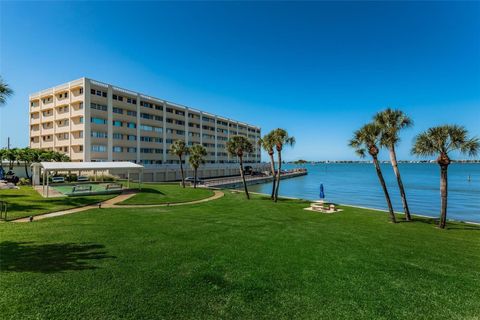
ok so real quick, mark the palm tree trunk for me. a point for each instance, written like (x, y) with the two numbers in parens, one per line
(272, 168)
(385, 191)
(195, 177)
(393, 160)
(26, 170)
(278, 174)
(183, 175)
(444, 195)
(243, 178)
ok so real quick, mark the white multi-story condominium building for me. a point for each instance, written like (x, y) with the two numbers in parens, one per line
(93, 121)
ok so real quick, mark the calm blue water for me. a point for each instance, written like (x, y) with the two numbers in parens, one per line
(357, 184)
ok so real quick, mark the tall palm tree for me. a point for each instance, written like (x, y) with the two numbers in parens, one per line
(280, 138)
(442, 140)
(367, 139)
(5, 91)
(196, 158)
(180, 149)
(391, 122)
(267, 144)
(238, 146)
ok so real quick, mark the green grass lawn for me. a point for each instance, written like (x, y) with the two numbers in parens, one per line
(158, 193)
(233, 258)
(26, 202)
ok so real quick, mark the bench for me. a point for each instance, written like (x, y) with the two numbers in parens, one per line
(323, 207)
(113, 186)
(58, 179)
(82, 178)
(81, 188)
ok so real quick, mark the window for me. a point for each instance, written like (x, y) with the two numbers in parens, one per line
(92, 91)
(180, 132)
(170, 110)
(131, 125)
(157, 107)
(80, 119)
(131, 137)
(132, 113)
(146, 116)
(146, 104)
(99, 93)
(182, 113)
(100, 107)
(118, 136)
(99, 134)
(104, 94)
(80, 105)
(158, 118)
(114, 97)
(150, 128)
(98, 120)
(117, 123)
(151, 139)
(99, 148)
(132, 150)
(129, 100)
(117, 110)
(81, 90)
(117, 149)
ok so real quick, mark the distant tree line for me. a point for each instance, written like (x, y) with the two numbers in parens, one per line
(28, 156)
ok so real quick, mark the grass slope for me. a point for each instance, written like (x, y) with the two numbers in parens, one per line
(157, 193)
(233, 258)
(26, 202)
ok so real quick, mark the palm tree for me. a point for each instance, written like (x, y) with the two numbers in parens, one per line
(196, 158)
(441, 140)
(179, 148)
(267, 144)
(238, 146)
(5, 91)
(391, 122)
(11, 157)
(364, 140)
(280, 138)
(25, 155)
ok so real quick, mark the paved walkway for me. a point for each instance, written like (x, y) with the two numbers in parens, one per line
(112, 203)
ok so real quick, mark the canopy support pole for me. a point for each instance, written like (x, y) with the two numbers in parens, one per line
(43, 183)
(128, 179)
(47, 184)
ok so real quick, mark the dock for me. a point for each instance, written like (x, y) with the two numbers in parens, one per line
(236, 182)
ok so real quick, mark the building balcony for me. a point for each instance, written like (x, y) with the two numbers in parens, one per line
(47, 144)
(35, 120)
(47, 131)
(62, 128)
(77, 127)
(76, 141)
(34, 144)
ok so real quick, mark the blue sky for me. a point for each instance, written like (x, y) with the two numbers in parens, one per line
(319, 70)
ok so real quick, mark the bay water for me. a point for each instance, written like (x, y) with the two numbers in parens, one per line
(357, 184)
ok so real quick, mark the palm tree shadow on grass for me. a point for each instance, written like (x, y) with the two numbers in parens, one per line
(49, 258)
(151, 190)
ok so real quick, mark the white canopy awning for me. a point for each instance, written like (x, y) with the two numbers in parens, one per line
(59, 166)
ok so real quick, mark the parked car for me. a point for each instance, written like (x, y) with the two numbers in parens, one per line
(192, 179)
